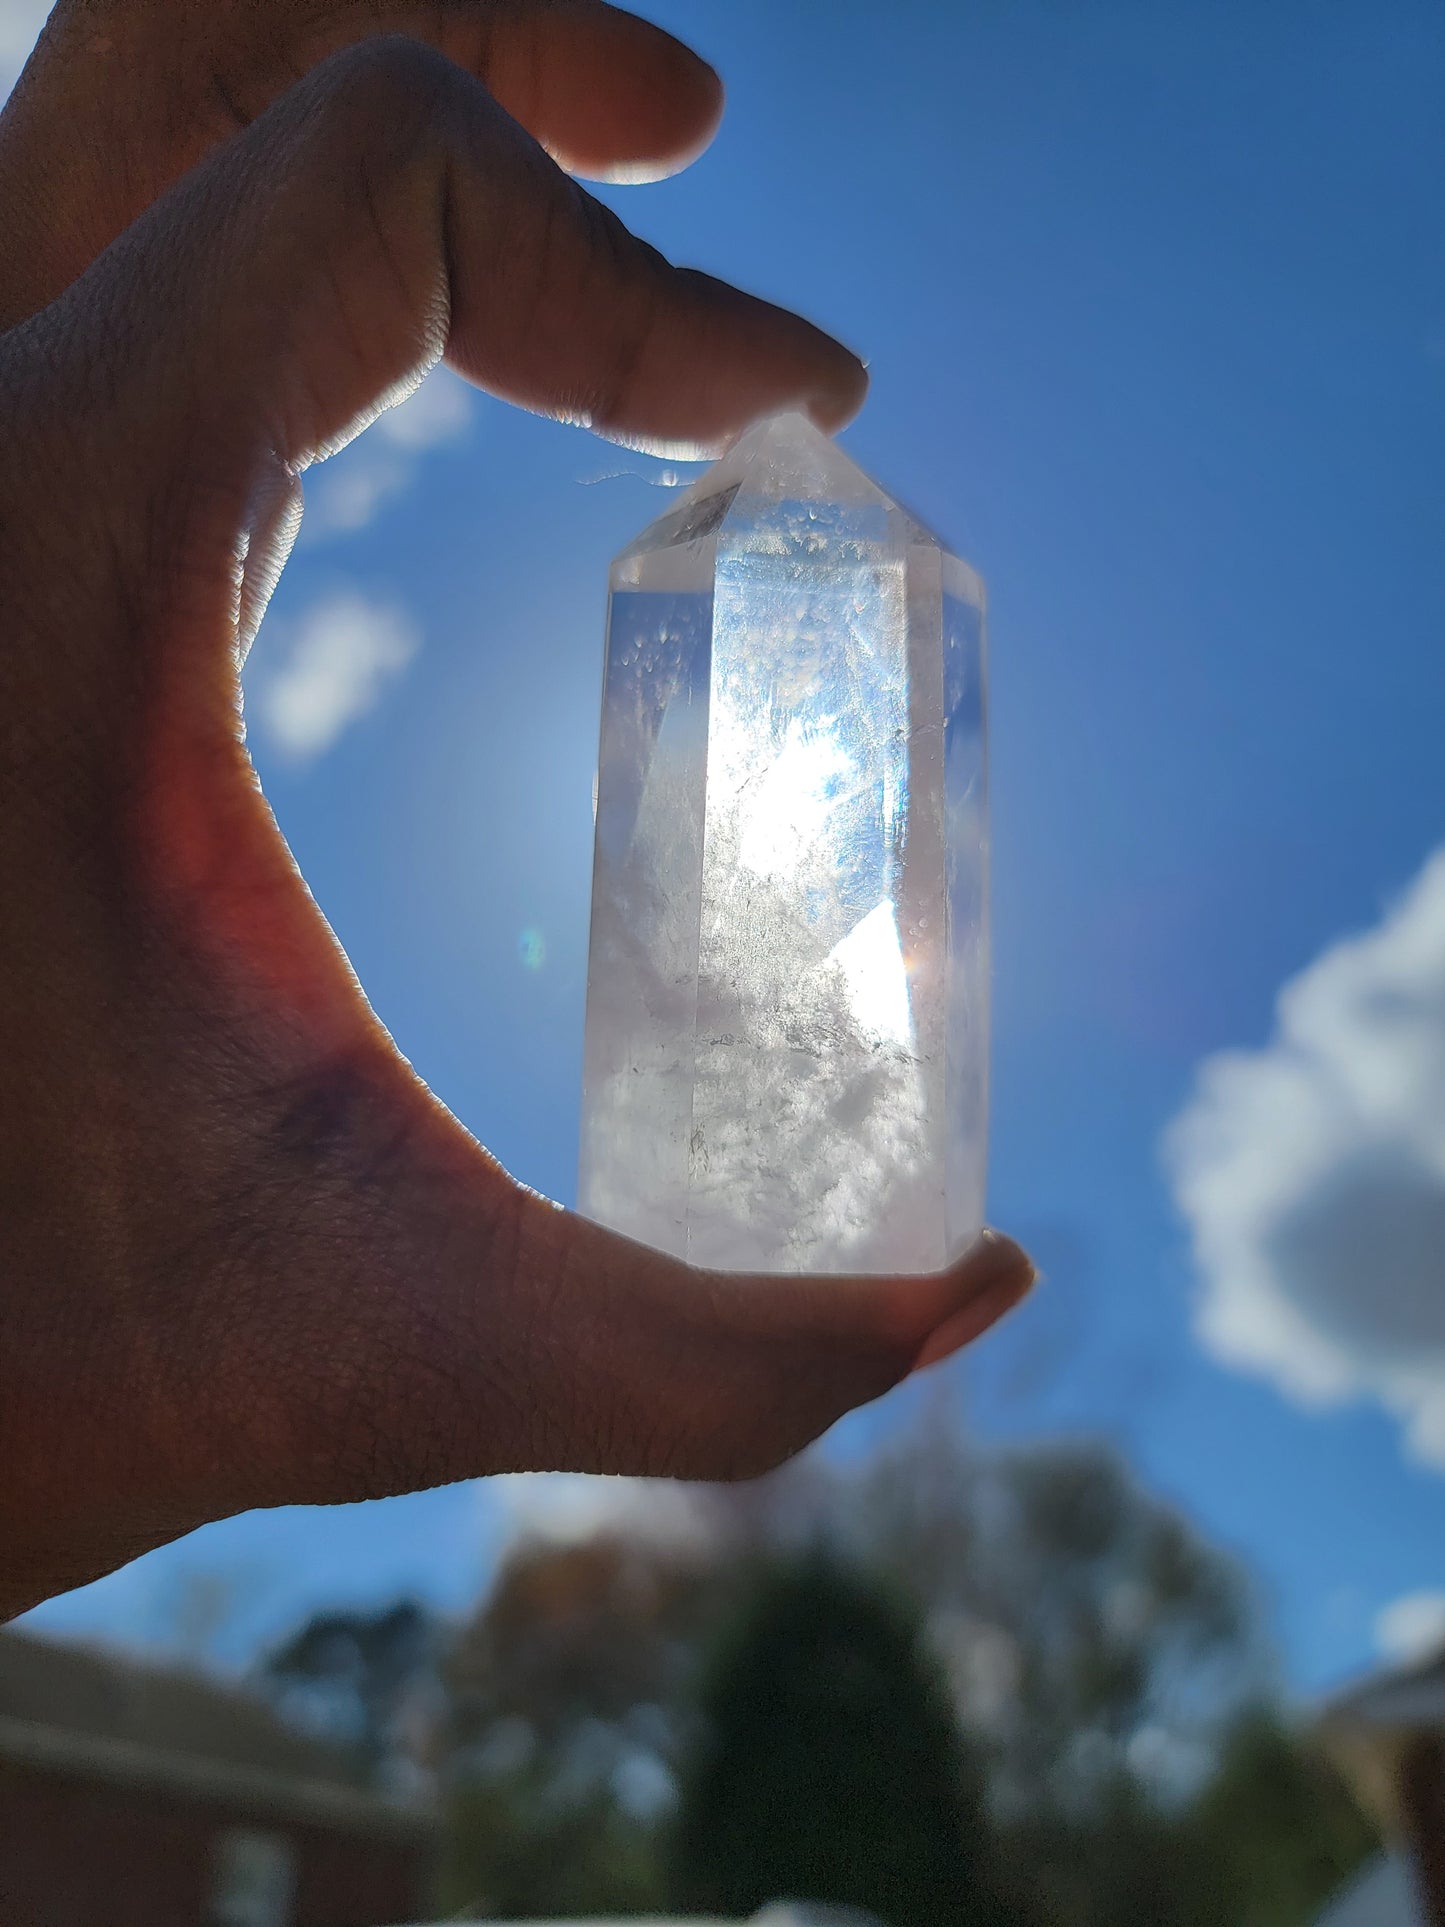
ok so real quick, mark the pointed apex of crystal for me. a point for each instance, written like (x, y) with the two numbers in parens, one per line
(785, 457)
(780, 461)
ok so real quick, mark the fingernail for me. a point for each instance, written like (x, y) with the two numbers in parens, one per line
(1000, 1274)
(833, 407)
(993, 1259)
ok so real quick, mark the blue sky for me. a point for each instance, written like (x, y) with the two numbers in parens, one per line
(1155, 310)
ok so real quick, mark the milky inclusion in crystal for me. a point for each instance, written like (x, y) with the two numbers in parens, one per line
(786, 1045)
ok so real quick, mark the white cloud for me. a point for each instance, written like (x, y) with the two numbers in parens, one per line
(569, 1508)
(438, 410)
(342, 653)
(1312, 1175)
(1411, 1627)
(350, 489)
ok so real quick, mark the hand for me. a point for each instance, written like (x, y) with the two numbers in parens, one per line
(248, 1259)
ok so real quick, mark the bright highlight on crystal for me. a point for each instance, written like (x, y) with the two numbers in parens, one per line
(786, 1048)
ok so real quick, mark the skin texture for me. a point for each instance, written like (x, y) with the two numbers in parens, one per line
(245, 1256)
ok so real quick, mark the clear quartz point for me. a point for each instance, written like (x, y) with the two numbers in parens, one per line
(787, 991)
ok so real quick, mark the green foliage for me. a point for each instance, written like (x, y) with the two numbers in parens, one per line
(1263, 1842)
(1280, 1824)
(515, 1851)
(831, 1766)
(1127, 1863)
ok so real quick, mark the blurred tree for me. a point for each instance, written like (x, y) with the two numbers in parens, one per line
(1262, 1843)
(1279, 1823)
(567, 1692)
(1102, 1660)
(831, 1767)
(1090, 1634)
(517, 1849)
(582, 1634)
(370, 1681)
(1109, 1663)
(1127, 1863)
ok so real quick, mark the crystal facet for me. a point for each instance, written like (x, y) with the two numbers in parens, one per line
(786, 1045)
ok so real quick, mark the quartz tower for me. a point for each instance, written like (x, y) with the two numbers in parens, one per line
(787, 996)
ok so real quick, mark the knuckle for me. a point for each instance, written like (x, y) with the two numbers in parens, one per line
(392, 89)
(624, 275)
